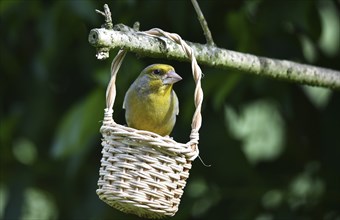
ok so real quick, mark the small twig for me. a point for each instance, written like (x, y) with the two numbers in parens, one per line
(103, 52)
(136, 26)
(203, 23)
(107, 14)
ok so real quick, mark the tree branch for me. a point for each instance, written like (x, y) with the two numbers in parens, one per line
(138, 42)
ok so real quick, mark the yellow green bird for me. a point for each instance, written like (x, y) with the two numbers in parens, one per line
(150, 103)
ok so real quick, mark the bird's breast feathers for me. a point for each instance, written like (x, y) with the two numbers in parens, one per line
(154, 112)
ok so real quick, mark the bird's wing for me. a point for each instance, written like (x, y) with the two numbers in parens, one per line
(124, 100)
(176, 102)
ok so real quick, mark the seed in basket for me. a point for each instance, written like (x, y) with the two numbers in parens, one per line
(150, 103)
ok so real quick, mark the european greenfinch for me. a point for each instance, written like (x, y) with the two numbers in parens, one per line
(150, 103)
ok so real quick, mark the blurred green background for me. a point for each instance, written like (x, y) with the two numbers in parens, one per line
(274, 146)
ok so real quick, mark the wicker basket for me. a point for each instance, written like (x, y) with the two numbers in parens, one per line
(141, 172)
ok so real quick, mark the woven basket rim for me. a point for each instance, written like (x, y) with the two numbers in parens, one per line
(136, 137)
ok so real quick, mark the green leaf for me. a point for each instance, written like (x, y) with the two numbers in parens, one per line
(260, 127)
(330, 36)
(226, 86)
(317, 95)
(25, 151)
(38, 205)
(79, 126)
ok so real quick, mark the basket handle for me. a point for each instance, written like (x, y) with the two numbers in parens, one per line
(196, 71)
(111, 87)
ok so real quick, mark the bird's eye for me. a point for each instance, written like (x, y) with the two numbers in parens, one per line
(157, 72)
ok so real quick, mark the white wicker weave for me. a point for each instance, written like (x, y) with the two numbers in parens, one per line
(142, 172)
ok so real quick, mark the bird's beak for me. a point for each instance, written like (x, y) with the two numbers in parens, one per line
(171, 77)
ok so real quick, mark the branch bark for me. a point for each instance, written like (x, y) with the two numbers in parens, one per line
(124, 37)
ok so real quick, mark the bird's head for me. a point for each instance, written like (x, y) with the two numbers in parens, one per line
(159, 76)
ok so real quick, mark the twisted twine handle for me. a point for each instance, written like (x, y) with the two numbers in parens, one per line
(196, 71)
(111, 88)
